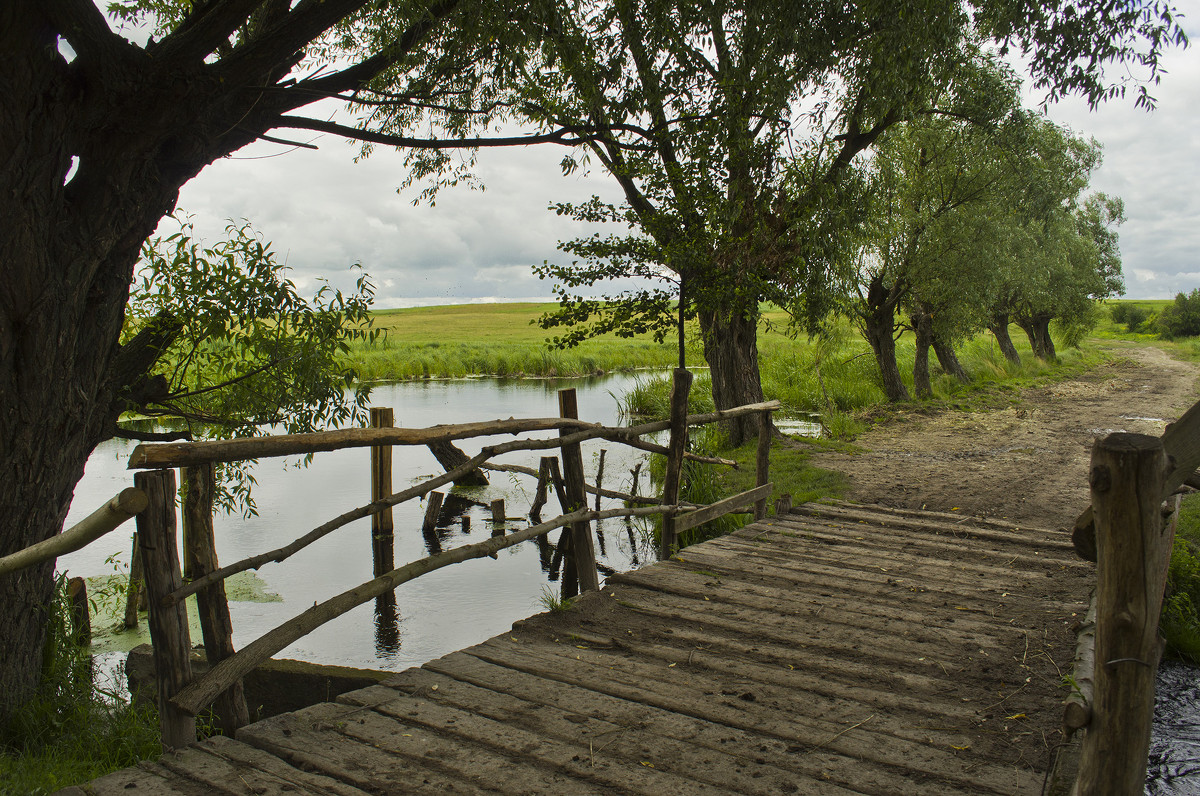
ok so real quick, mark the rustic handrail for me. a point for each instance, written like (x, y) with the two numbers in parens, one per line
(200, 693)
(229, 671)
(124, 505)
(149, 456)
(282, 553)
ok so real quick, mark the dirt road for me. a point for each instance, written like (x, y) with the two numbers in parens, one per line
(1026, 463)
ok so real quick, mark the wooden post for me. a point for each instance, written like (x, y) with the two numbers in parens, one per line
(168, 626)
(431, 512)
(199, 559)
(81, 619)
(137, 586)
(783, 504)
(583, 554)
(1127, 475)
(600, 477)
(498, 517)
(762, 462)
(681, 383)
(543, 487)
(383, 537)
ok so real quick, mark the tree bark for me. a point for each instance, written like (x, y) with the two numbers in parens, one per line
(1037, 328)
(948, 359)
(999, 329)
(879, 326)
(731, 349)
(924, 339)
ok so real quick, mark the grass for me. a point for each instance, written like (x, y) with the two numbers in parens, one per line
(494, 340)
(1180, 623)
(73, 730)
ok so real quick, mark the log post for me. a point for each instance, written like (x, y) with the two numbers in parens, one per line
(137, 586)
(762, 462)
(783, 504)
(681, 383)
(383, 537)
(199, 559)
(156, 527)
(600, 477)
(81, 618)
(499, 518)
(541, 494)
(583, 554)
(1133, 550)
(431, 512)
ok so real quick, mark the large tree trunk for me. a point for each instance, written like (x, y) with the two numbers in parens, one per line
(948, 359)
(923, 327)
(999, 329)
(731, 349)
(1037, 329)
(879, 326)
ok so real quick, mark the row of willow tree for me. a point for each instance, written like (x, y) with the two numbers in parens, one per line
(746, 137)
(870, 159)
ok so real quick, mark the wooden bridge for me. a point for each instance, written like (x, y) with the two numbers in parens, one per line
(836, 649)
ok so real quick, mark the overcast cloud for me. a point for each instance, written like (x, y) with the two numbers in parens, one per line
(324, 212)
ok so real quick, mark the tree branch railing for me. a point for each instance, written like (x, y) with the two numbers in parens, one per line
(181, 697)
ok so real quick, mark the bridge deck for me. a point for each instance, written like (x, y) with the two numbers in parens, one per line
(836, 650)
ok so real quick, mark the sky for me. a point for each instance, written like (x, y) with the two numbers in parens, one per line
(323, 212)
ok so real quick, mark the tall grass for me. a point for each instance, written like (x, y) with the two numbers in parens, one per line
(73, 730)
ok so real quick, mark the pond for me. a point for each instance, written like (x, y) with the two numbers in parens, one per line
(440, 612)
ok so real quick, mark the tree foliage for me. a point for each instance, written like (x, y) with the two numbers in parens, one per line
(238, 347)
(1181, 318)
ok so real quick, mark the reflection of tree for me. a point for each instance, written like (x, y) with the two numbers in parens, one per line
(387, 625)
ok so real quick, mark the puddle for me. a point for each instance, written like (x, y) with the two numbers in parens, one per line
(1174, 764)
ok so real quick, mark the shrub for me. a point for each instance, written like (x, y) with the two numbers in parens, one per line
(1182, 318)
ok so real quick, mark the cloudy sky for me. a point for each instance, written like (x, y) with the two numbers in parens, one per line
(324, 212)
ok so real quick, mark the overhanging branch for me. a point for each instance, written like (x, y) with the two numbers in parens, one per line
(562, 136)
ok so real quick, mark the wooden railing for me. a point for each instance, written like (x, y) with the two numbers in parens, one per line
(168, 582)
(1133, 479)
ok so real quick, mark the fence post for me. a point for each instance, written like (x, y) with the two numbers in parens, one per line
(383, 536)
(762, 462)
(681, 383)
(583, 554)
(199, 559)
(1127, 475)
(156, 527)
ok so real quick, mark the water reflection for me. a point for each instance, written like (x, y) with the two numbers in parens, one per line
(439, 612)
(1174, 763)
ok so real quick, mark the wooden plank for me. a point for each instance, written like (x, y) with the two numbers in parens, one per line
(247, 756)
(724, 703)
(823, 766)
(600, 740)
(219, 774)
(651, 775)
(146, 778)
(684, 522)
(407, 761)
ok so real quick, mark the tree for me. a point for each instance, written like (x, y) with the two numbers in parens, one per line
(933, 179)
(99, 135)
(239, 350)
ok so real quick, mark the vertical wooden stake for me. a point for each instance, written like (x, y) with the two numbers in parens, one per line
(583, 554)
(681, 383)
(156, 527)
(540, 495)
(600, 477)
(499, 518)
(431, 512)
(383, 537)
(1133, 551)
(137, 586)
(199, 559)
(762, 462)
(81, 619)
